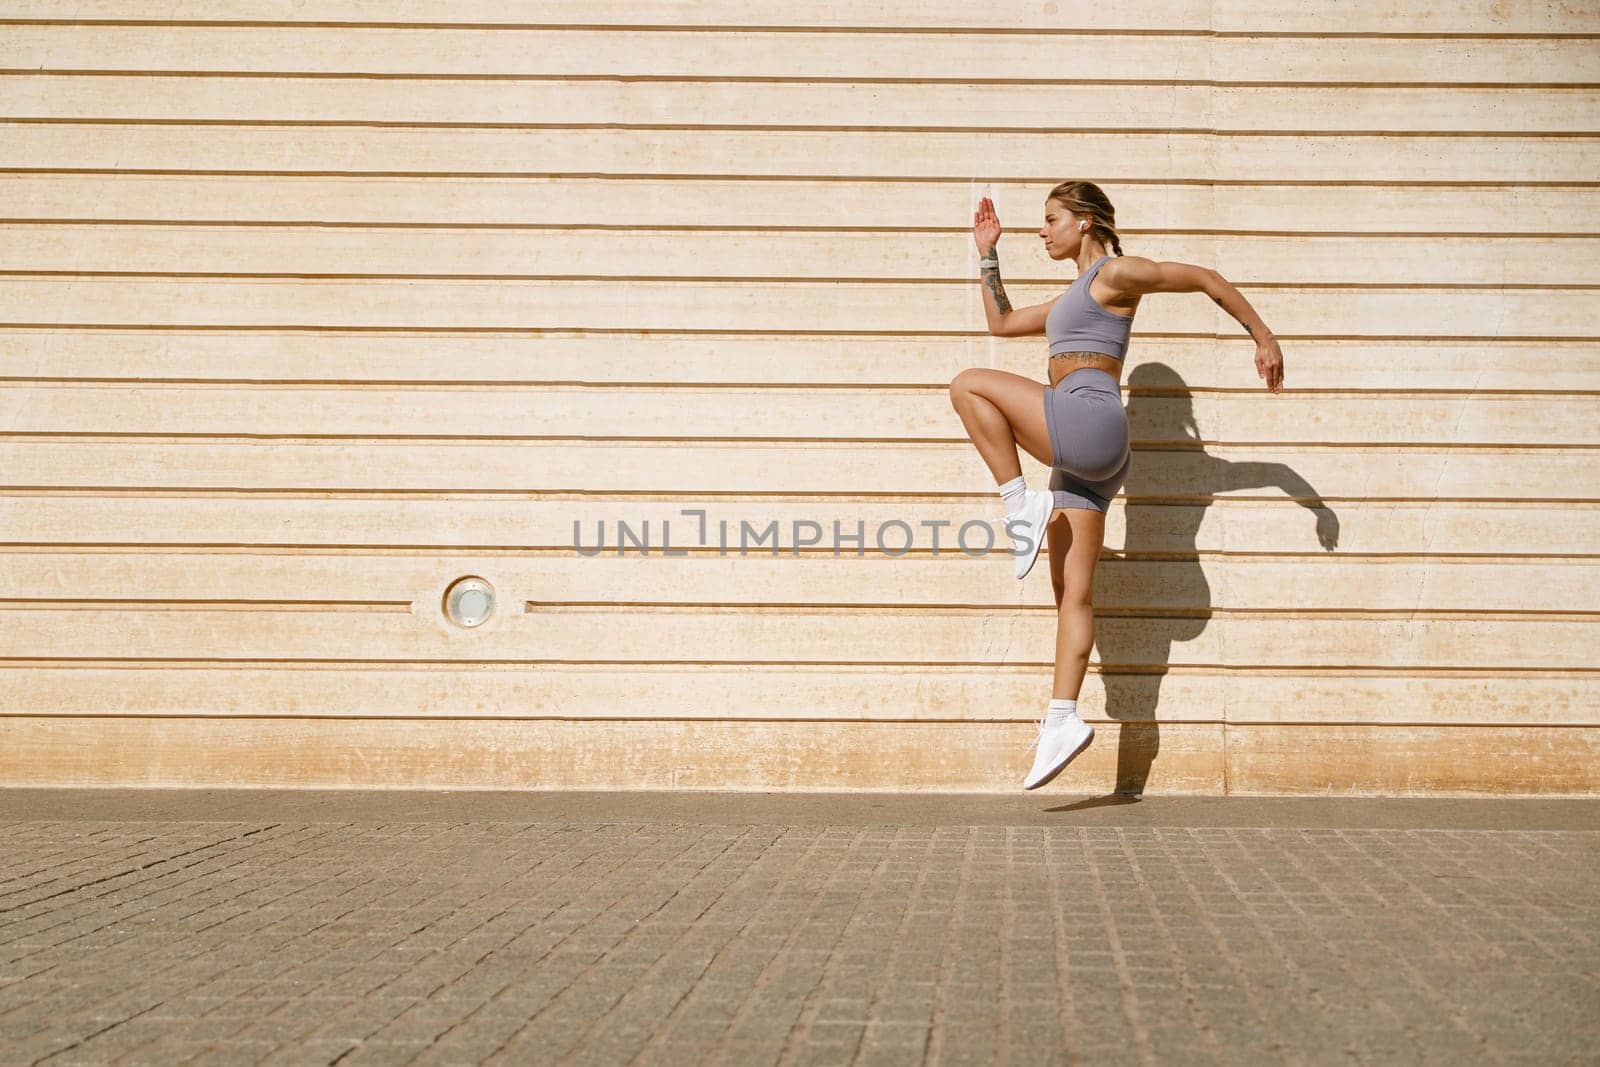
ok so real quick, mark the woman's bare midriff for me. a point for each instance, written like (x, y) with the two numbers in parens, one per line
(1064, 363)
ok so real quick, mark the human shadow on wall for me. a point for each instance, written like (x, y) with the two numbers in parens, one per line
(1137, 642)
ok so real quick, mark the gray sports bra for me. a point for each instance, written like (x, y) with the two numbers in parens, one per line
(1077, 323)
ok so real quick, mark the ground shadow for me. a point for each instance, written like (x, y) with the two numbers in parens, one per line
(1135, 633)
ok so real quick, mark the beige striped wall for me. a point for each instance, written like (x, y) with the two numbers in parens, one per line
(301, 321)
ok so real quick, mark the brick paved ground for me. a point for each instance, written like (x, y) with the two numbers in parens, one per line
(228, 927)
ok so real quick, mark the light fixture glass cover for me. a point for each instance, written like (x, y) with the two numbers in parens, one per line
(469, 601)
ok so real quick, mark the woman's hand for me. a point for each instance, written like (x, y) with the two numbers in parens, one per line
(1269, 364)
(985, 226)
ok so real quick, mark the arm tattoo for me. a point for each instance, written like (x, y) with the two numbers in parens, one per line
(991, 281)
(1247, 329)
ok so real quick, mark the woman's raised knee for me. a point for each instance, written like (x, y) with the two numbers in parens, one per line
(962, 385)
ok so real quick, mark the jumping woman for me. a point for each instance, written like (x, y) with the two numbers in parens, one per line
(1077, 426)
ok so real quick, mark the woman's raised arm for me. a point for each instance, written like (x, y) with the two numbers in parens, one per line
(1003, 319)
(1136, 275)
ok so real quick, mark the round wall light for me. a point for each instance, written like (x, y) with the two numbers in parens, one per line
(469, 601)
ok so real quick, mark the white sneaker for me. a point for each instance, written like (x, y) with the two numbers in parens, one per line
(1058, 745)
(1030, 522)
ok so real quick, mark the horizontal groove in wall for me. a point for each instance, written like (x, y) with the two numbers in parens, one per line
(1185, 445)
(437, 550)
(1196, 500)
(843, 179)
(543, 552)
(479, 385)
(719, 495)
(523, 227)
(1383, 35)
(419, 664)
(196, 604)
(1197, 33)
(139, 604)
(799, 79)
(634, 331)
(840, 280)
(645, 333)
(1363, 724)
(1121, 612)
(666, 27)
(767, 127)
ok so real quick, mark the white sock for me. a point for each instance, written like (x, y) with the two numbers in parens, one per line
(1060, 711)
(1014, 494)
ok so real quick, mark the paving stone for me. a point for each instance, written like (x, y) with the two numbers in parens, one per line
(164, 1053)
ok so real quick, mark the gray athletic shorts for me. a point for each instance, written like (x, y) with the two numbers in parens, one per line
(1088, 430)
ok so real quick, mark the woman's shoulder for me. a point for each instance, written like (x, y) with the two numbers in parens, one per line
(1119, 270)
(1133, 276)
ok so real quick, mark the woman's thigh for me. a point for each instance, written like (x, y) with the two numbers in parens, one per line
(1020, 400)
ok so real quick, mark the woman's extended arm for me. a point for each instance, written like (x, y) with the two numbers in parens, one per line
(1138, 275)
(1269, 357)
(1229, 299)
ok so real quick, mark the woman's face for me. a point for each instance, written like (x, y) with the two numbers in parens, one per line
(1060, 231)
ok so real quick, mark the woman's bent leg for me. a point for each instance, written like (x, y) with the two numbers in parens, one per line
(1002, 411)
